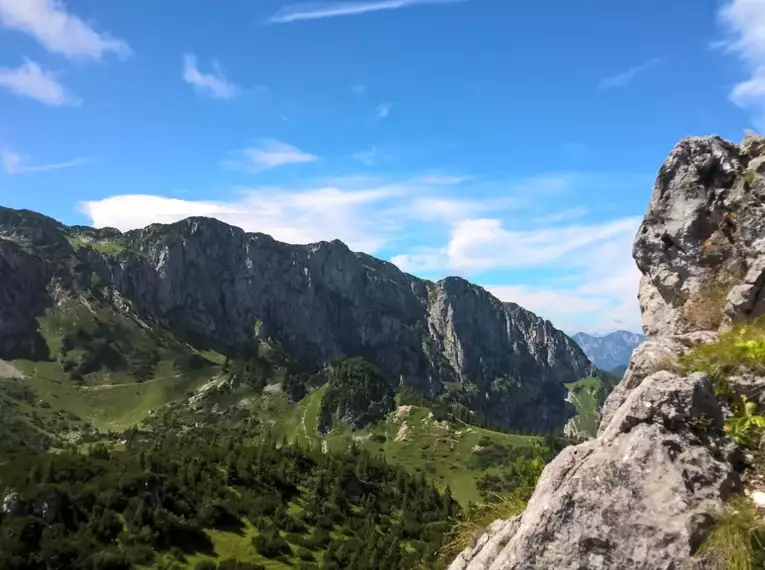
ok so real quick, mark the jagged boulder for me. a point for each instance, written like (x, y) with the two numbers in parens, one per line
(655, 354)
(703, 233)
(639, 496)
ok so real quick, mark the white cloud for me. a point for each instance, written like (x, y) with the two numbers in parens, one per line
(383, 110)
(214, 84)
(483, 244)
(318, 10)
(29, 80)
(434, 208)
(14, 163)
(598, 294)
(269, 154)
(293, 216)
(57, 30)
(626, 77)
(745, 21)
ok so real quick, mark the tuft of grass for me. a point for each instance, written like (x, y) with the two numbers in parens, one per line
(749, 176)
(743, 346)
(746, 426)
(478, 518)
(669, 364)
(705, 309)
(736, 542)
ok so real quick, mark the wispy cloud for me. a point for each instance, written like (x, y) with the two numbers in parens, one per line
(383, 110)
(57, 30)
(14, 163)
(562, 216)
(267, 154)
(599, 289)
(745, 22)
(482, 244)
(626, 77)
(30, 80)
(599, 283)
(443, 179)
(318, 10)
(371, 156)
(359, 89)
(214, 84)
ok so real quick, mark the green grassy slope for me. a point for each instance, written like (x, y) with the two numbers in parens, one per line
(588, 395)
(107, 407)
(408, 436)
(106, 370)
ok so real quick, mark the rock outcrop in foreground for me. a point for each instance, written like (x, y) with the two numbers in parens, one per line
(642, 494)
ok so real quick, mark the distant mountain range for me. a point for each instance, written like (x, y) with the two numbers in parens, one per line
(610, 352)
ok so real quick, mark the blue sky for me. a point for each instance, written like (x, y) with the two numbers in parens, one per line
(513, 143)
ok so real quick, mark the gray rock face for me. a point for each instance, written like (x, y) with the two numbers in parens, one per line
(705, 226)
(216, 284)
(610, 351)
(639, 496)
(642, 493)
(655, 354)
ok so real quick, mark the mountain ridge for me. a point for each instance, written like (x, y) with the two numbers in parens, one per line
(218, 286)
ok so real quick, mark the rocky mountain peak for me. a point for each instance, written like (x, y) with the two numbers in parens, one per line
(645, 492)
(609, 351)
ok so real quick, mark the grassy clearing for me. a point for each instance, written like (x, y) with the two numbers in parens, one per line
(132, 369)
(111, 406)
(236, 545)
(105, 247)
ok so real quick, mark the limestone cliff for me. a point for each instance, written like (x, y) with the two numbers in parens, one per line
(216, 285)
(643, 493)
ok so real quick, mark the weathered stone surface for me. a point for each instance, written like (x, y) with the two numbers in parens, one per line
(639, 496)
(655, 354)
(746, 300)
(211, 281)
(705, 223)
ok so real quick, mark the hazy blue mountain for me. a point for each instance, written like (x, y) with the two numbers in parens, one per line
(610, 351)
